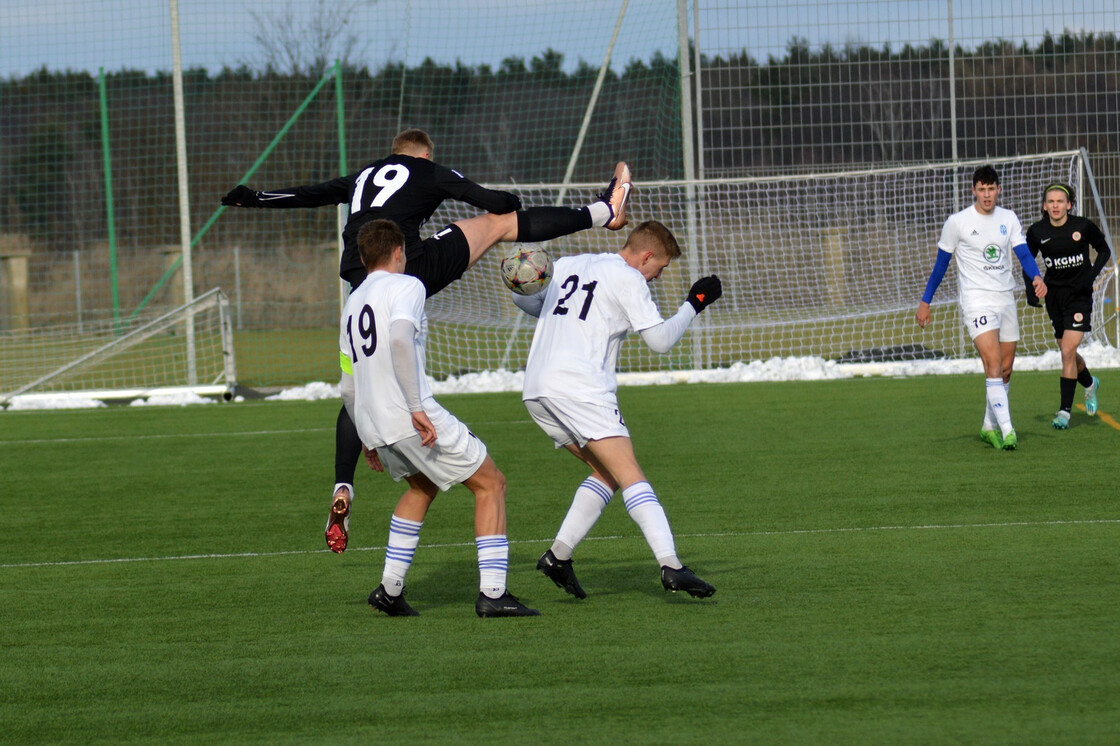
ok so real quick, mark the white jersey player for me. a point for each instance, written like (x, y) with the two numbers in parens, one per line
(385, 391)
(583, 316)
(983, 237)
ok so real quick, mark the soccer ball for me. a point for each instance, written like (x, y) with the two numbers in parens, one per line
(526, 271)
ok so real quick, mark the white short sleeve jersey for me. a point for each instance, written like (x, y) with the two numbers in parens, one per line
(593, 301)
(380, 411)
(983, 246)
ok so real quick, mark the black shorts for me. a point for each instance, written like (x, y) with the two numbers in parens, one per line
(1069, 309)
(438, 262)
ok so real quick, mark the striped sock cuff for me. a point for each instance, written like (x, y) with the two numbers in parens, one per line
(638, 494)
(493, 552)
(597, 488)
(398, 525)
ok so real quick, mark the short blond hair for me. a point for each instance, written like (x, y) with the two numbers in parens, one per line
(653, 236)
(413, 142)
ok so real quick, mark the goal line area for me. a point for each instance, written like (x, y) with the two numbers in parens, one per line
(826, 266)
(829, 265)
(186, 350)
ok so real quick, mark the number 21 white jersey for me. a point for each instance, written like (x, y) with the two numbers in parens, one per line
(593, 301)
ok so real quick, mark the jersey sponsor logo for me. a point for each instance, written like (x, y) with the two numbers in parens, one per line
(1044, 240)
(1064, 262)
(992, 253)
(1077, 235)
(975, 232)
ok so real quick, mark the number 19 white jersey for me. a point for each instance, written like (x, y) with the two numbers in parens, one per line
(983, 245)
(593, 301)
(381, 413)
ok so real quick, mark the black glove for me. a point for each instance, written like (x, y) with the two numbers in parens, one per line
(513, 203)
(241, 196)
(705, 292)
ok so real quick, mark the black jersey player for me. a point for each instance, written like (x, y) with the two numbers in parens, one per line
(406, 187)
(1064, 242)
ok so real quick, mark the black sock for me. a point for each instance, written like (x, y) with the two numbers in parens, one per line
(1069, 386)
(347, 448)
(545, 223)
(1084, 377)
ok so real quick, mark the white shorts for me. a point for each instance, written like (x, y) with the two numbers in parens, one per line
(984, 311)
(455, 457)
(570, 422)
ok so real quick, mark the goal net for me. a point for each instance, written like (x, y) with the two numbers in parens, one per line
(188, 349)
(829, 265)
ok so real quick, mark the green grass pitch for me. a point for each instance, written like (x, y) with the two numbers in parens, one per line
(883, 577)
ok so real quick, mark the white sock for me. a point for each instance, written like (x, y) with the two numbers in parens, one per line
(600, 213)
(643, 506)
(404, 537)
(591, 497)
(989, 416)
(997, 401)
(349, 487)
(493, 564)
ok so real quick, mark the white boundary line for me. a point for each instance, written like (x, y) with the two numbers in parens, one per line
(790, 532)
(227, 434)
(163, 436)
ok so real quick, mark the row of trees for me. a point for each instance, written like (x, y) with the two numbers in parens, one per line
(825, 109)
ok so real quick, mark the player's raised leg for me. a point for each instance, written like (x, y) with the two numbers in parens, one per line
(338, 518)
(536, 224)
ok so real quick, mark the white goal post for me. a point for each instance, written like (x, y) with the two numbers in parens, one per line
(830, 265)
(185, 350)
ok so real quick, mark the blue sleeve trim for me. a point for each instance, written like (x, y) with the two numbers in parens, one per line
(1026, 261)
(937, 275)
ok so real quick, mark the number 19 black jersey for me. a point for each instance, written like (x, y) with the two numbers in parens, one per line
(400, 188)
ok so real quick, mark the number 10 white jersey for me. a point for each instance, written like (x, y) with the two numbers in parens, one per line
(983, 245)
(593, 301)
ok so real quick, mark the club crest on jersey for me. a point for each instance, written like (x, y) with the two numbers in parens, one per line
(991, 253)
(1077, 235)
(1003, 230)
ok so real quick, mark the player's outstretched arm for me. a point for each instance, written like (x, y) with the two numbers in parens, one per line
(241, 196)
(333, 192)
(663, 336)
(463, 189)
